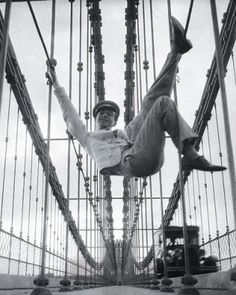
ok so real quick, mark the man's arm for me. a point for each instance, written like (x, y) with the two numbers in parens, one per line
(73, 121)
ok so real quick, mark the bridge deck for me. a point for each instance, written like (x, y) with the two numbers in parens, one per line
(114, 290)
(118, 290)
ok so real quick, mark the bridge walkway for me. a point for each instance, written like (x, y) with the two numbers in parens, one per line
(126, 290)
(115, 290)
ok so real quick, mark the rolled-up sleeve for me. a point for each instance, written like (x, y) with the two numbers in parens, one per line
(73, 121)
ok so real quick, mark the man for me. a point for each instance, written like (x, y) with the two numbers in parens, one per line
(138, 150)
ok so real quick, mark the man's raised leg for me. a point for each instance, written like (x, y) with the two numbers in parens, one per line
(163, 84)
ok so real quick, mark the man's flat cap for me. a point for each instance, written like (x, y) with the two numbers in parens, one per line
(106, 105)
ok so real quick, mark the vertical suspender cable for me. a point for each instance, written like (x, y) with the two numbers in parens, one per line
(142, 230)
(165, 279)
(175, 98)
(4, 45)
(214, 193)
(185, 233)
(145, 63)
(137, 106)
(221, 74)
(42, 193)
(50, 232)
(194, 200)
(223, 186)
(139, 66)
(139, 244)
(62, 231)
(153, 41)
(29, 209)
(65, 282)
(94, 222)
(5, 163)
(146, 224)
(188, 281)
(200, 206)
(165, 271)
(13, 192)
(52, 229)
(36, 215)
(152, 229)
(86, 118)
(101, 210)
(54, 234)
(97, 228)
(42, 281)
(154, 77)
(139, 102)
(90, 173)
(13, 188)
(207, 206)
(22, 200)
(90, 161)
(189, 205)
(79, 68)
(58, 243)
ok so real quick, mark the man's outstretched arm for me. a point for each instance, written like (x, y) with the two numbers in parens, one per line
(73, 121)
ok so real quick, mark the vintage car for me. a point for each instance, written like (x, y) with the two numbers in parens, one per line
(198, 262)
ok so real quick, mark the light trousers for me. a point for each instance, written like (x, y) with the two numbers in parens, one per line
(147, 131)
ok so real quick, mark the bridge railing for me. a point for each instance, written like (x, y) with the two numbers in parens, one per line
(224, 248)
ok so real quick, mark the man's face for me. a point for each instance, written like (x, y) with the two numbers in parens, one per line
(105, 119)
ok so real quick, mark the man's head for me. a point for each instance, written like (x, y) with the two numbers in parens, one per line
(106, 114)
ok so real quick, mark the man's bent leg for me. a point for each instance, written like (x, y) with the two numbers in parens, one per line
(181, 134)
(148, 149)
(174, 124)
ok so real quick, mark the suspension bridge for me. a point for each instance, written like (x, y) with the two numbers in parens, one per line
(63, 226)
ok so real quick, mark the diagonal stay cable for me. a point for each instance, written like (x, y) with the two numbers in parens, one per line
(188, 18)
(39, 33)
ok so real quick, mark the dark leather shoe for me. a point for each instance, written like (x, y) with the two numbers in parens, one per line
(200, 163)
(182, 44)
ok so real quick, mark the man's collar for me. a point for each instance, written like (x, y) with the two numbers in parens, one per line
(104, 129)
